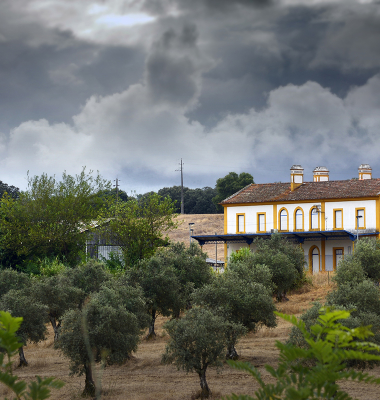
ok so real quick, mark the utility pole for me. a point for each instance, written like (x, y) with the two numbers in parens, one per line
(117, 194)
(182, 202)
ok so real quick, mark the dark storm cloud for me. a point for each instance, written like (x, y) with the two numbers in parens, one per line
(55, 79)
(263, 49)
(255, 83)
(174, 67)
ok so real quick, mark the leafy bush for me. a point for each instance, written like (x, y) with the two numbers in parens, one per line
(314, 372)
(38, 389)
(284, 259)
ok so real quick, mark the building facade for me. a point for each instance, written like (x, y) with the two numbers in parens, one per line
(325, 217)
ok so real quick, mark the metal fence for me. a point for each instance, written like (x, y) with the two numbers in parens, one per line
(101, 251)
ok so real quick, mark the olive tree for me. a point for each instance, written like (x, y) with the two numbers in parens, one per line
(88, 277)
(12, 279)
(367, 254)
(354, 292)
(105, 330)
(161, 287)
(197, 341)
(33, 326)
(191, 268)
(285, 260)
(59, 295)
(239, 301)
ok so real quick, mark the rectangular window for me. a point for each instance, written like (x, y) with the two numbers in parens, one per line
(360, 218)
(314, 219)
(240, 223)
(338, 256)
(261, 221)
(299, 220)
(338, 219)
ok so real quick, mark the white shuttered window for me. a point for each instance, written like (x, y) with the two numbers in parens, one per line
(338, 219)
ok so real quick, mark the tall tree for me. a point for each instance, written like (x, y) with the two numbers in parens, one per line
(47, 219)
(197, 201)
(12, 191)
(138, 226)
(229, 185)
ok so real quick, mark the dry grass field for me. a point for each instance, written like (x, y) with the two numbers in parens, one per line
(144, 378)
(204, 224)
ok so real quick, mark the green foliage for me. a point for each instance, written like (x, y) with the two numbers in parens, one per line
(12, 191)
(367, 254)
(229, 185)
(11, 279)
(330, 346)
(9, 343)
(197, 341)
(247, 269)
(189, 264)
(58, 294)
(47, 220)
(138, 226)
(284, 259)
(52, 267)
(161, 286)
(89, 276)
(114, 263)
(34, 315)
(356, 291)
(239, 301)
(196, 201)
(105, 330)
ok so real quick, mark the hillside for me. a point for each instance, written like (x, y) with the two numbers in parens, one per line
(144, 378)
(204, 224)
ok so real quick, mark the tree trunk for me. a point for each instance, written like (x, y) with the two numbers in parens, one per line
(205, 391)
(55, 327)
(23, 362)
(232, 353)
(89, 387)
(152, 333)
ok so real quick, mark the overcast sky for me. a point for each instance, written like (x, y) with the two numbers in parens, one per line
(129, 87)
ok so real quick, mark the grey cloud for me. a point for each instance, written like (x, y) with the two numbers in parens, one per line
(351, 39)
(174, 67)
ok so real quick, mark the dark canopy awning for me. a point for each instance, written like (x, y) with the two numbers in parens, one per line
(299, 237)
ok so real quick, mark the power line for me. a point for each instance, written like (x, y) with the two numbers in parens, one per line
(182, 204)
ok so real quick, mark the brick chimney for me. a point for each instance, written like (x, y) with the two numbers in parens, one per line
(320, 174)
(296, 177)
(365, 172)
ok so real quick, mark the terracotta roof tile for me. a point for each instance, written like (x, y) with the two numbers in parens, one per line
(271, 192)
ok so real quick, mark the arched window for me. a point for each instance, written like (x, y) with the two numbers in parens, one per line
(283, 220)
(298, 219)
(314, 219)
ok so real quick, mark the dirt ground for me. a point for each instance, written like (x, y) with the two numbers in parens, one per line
(144, 378)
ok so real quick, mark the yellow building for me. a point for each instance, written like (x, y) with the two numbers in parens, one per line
(324, 216)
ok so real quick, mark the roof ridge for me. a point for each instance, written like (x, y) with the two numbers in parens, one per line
(232, 195)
